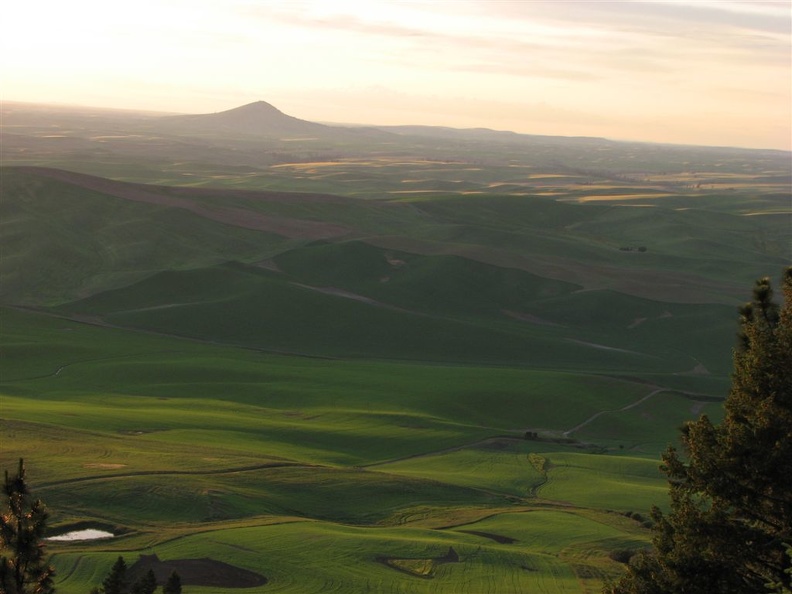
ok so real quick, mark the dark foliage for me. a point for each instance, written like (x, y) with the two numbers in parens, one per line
(173, 585)
(731, 495)
(23, 563)
(145, 585)
(116, 580)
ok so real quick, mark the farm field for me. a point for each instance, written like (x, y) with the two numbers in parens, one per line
(174, 444)
(374, 361)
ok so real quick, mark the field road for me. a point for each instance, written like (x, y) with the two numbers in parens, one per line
(602, 412)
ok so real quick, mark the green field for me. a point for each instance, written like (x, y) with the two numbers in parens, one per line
(318, 361)
(179, 445)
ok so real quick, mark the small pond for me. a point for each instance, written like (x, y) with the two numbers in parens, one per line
(87, 534)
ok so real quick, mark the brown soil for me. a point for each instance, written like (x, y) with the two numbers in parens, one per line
(197, 572)
(393, 562)
(182, 198)
(104, 466)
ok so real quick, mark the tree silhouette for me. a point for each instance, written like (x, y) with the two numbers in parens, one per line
(730, 523)
(23, 524)
(116, 580)
(173, 585)
(145, 585)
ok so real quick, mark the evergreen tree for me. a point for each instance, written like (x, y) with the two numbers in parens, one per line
(116, 580)
(730, 521)
(23, 564)
(173, 585)
(145, 585)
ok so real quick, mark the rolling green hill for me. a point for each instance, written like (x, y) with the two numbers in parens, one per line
(175, 444)
(432, 365)
(549, 288)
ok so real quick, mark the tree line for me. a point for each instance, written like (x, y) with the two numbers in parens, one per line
(117, 582)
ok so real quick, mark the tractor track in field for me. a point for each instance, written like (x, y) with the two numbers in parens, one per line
(58, 371)
(595, 416)
(696, 397)
(239, 469)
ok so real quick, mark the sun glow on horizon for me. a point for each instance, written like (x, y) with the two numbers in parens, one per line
(688, 72)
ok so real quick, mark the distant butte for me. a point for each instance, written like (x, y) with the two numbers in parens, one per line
(259, 118)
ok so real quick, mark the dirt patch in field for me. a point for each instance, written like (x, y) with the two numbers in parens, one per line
(104, 466)
(421, 567)
(699, 369)
(617, 197)
(197, 572)
(636, 322)
(268, 265)
(526, 317)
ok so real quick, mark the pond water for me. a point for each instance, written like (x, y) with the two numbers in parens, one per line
(87, 534)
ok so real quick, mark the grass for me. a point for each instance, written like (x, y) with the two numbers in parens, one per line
(432, 308)
(120, 241)
(98, 241)
(251, 307)
(164, 439)
(166, 388)
(322, 557)
(638, 425)
(339, 415)
(499, 465)
(614, 482)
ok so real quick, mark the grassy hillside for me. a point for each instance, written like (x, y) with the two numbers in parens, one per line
(332, 388)
(179, 444)
(549, 288)
(60, 239)
(108, 235)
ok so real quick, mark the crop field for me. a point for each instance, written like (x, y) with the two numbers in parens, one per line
(179, 446)
(396, 361)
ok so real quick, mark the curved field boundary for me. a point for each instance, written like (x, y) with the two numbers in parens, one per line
(85, 479)
(442, 450)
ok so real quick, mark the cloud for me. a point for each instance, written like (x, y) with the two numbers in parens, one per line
(566, 40)
(631, 60)
(531, 70)
(660, 18)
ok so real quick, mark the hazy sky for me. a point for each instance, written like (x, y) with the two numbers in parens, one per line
(711, 72)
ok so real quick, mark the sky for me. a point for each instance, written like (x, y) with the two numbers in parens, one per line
(715, 72)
